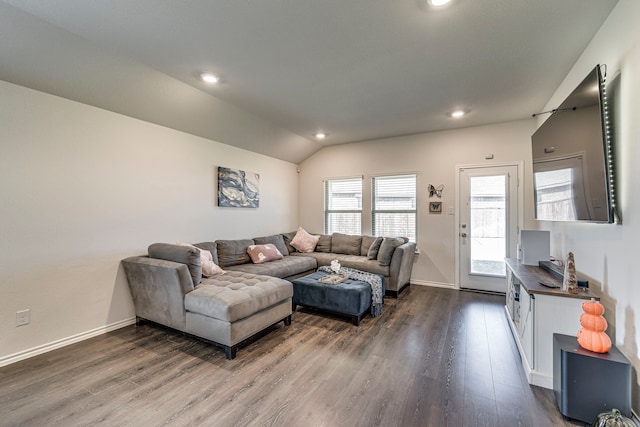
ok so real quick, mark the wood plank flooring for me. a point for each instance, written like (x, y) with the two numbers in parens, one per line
(436, 357)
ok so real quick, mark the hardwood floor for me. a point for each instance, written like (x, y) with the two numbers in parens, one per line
(435, 357)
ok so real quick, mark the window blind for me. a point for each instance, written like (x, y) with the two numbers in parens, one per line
(343, 206)
(394, 209)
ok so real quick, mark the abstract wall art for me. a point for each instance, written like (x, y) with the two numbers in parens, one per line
(238, 188)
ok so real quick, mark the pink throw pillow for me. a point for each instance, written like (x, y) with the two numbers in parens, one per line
(303, 241)
(209, 268)
(263, 253)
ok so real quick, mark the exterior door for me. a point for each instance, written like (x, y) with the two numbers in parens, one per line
(488, 225)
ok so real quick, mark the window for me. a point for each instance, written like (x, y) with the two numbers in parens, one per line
(343, 206)
(394, 209)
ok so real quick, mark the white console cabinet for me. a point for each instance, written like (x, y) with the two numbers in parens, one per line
(535, 313)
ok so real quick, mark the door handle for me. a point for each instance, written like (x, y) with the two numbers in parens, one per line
(463, 234)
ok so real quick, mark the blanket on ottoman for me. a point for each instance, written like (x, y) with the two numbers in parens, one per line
(373, 280)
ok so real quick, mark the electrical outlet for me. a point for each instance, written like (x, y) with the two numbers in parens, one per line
(22, 317)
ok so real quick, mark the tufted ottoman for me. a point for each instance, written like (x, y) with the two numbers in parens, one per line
(228, 309)
(350, 298)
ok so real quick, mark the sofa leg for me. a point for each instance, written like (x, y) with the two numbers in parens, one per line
(287, 320)
(230, 352)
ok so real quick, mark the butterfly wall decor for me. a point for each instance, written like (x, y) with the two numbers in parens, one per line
(433, 191)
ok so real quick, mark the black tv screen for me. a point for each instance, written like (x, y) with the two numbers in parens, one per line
(571, 158)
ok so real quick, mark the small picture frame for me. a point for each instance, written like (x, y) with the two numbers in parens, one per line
(435, 207)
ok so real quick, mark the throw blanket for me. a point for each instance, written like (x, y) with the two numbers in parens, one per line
(372, 279)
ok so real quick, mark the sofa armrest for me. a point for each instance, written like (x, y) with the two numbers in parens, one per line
(401, 266)
(158, 288)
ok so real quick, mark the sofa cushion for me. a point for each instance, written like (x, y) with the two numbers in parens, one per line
(324, 243)
(188, 255)
(276, 240)
(303, 241)
(365, 243)
(352, 261)
(211, 247)
(387, 247)
(288, 237)
(209, 268)
(345, 244)
(282, 268)
(233, 252)
(263, 253)
(372, 253)
(236, 295)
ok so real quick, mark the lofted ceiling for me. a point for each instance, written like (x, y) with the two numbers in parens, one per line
(355, 69)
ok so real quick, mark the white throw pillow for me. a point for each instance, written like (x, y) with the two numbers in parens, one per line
(209, 268)
(303, 241)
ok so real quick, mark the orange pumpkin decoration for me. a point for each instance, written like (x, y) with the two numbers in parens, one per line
(593, 307)
(593, 323)
(592, 336)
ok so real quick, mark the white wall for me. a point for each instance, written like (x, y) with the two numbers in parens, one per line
(434, 156)
(607, 254)
(81, 188)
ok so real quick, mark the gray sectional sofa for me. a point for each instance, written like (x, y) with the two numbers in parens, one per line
(393, 261)
(168, 288)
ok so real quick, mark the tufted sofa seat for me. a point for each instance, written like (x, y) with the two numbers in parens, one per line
(168, 288)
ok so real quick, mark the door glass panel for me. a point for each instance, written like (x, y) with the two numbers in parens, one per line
(487, 228)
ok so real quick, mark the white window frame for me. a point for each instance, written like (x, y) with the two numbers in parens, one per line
(328, 212)
(411, 234)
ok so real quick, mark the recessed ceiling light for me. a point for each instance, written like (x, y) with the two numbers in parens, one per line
(321, 135)
(210, 78)
(457, 114)
(438, 3)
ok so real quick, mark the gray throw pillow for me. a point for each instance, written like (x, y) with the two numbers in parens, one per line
(345, 244)
(276, 240)
(183, 254)
(388, 246)
(233, 252)
(372, 253)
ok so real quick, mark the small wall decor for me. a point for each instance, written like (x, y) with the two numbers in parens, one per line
(435, 207)
(238, 188)
(433, 191)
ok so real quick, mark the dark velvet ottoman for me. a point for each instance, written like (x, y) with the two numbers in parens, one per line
(350, 298)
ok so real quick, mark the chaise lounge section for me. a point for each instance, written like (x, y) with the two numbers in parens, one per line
(168, 288)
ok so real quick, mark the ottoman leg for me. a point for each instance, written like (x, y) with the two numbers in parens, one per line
(355, 320)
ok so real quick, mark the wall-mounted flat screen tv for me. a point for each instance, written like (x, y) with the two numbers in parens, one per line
(571, 158)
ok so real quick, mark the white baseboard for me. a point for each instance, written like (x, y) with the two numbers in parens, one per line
(541, 380)
(25, 354)
(433, 284)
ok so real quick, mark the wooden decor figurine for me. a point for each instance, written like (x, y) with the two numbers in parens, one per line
(570, 280)
(592, 335)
